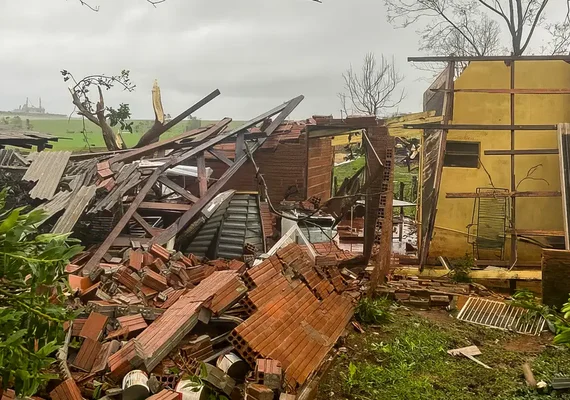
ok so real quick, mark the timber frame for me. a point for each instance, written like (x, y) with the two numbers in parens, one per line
(189, 146)
(449, 92)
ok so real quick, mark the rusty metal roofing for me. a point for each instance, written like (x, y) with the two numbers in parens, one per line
(46, 170)
(74, 209)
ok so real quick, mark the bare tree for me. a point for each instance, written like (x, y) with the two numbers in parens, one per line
(152, 2)
(96, 8)
(475, 24)
(373, 89)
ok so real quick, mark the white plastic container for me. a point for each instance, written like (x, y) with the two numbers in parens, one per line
(135, 385)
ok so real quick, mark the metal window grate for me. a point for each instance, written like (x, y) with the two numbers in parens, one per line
(499, 315)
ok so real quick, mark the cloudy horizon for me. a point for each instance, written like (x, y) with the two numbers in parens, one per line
(258, 53)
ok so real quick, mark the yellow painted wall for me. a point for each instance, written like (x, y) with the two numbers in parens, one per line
(483, 108)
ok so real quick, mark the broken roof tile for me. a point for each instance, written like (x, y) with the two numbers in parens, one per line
(46, 170)
(93, 328)
(136, 259)
(87, 355)
(67, 390)
(154, 280)
(160, 251)
(134, 323)
(79, 282)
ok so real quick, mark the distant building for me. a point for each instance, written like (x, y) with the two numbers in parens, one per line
(30, 109)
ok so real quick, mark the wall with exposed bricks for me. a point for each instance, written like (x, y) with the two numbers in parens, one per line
(320, 162)
(290, 171)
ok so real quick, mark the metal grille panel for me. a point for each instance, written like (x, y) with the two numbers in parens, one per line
(499, 315)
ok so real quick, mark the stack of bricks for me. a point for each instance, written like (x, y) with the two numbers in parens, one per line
(424, 293)
(269, 373)
(255, 391)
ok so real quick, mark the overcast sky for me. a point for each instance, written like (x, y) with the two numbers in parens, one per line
(259, 53)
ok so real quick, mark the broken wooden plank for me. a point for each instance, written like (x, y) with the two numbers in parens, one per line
(202, 174)
(106, 245)
(145, 225)
(181, 223)
(220, 156)
(468, 195)
(155, 206)
(150, 136)
(178, 189)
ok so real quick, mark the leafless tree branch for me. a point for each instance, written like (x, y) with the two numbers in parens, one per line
(477, 21)
(373, 89)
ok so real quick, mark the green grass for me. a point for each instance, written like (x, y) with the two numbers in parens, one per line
(408, 360)
(401, 174)
(348, 170)
(71, 137)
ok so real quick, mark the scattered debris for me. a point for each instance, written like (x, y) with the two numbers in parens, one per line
(469, 352)
(529, 376)
(500, 315)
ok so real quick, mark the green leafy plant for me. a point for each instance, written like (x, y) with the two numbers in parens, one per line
(197, 382)
(32, 294)
(561, 321)
(374, 311)
(461, 269)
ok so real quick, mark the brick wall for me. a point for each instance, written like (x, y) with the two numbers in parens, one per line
(284, 169)
(320, 164)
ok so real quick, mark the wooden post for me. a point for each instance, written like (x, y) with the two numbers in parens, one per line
(513, 177)
(414, 189)
(240, 146)
(202, 174)
(401, 229)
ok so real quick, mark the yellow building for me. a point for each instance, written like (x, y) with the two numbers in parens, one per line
(467, 167)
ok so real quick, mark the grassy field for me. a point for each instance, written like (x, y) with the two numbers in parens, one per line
(407, 360)
(401, 174)
(72, 138)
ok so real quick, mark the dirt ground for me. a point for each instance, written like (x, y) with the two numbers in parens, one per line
(407, 359)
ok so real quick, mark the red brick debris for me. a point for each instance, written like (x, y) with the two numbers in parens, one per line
(162, 312)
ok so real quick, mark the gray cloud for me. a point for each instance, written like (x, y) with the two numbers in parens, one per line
(259, 53)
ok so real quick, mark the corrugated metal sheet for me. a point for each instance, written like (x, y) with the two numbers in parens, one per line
(10, 157)
(202, 242)
(241, 226)
(55, 205)
(46, 170)
(74, 210)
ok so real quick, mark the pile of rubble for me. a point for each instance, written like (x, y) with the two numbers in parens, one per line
(431, 293)
(254, 331)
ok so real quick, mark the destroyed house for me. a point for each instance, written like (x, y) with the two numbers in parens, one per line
(295, 167)
(491, 171)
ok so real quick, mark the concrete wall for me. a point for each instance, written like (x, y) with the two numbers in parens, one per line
(454, 215)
